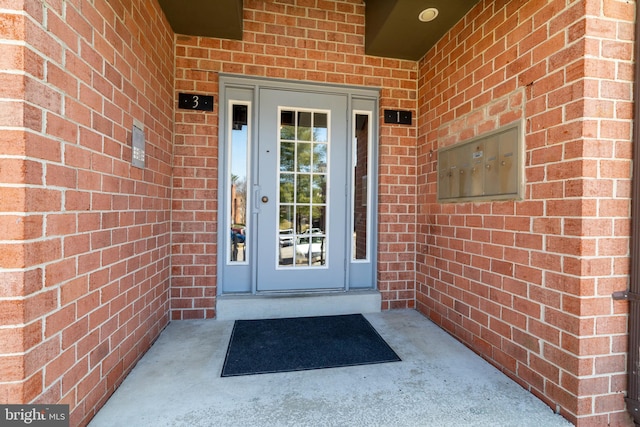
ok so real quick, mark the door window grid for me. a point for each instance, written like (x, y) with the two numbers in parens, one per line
(302, 200)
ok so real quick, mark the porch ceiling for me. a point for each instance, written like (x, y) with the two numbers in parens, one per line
(392, 28)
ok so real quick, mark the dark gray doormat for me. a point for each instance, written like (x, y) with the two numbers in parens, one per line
(302, 343)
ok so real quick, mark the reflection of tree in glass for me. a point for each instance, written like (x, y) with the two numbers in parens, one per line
(304, 132)
(287, 132)
(286, 188)
(303, 167)
(319, 188)
(238, 200)
(286, 218)
(319, 217)
(241, 188)
(240, 184)
(320, 158)
(302, 219)
(304, 157)
(287, 159)
(304, 189)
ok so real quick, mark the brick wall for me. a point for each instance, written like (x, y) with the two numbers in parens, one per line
(296, 40)
(528, 284)
(84, 236)
(86, 240)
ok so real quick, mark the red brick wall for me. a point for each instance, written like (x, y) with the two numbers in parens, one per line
(528, 284)
(84, 251)
(297, 40)
(86, 239)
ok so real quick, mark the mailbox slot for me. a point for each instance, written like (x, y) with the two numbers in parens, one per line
(444, 181)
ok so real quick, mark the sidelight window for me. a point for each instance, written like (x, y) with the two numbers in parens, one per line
(237, 193)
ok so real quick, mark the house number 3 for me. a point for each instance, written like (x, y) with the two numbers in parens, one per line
(195, 101)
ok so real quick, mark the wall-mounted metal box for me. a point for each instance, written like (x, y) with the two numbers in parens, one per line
(489, 167)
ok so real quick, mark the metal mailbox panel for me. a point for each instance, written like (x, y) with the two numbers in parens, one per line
(454, 173)
(491, 167)
(508, 158)
(444, 183)
(463, 156)
(487, 167)
(476, 172)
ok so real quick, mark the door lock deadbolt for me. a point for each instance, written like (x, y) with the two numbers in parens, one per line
(265, 199)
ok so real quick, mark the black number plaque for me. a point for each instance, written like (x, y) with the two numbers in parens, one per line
(195, 101)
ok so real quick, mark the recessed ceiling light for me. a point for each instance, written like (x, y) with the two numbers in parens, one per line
(428, 14)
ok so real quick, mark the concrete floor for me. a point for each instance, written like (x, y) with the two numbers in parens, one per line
(438, 383)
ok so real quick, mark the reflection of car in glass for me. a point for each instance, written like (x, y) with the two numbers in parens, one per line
(317, 247)
(237, 235)
(286, 237)
(313, 231)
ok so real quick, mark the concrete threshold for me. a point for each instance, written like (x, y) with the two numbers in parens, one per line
(279, 305)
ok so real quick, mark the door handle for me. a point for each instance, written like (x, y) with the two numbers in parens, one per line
(265, 199)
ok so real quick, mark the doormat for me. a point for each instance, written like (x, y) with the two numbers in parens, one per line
(303, 343)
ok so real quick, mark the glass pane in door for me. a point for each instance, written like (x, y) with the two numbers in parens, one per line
(237, 191)
(360, 177)
(303, 172)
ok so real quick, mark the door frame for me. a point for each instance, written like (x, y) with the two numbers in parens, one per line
(241, 279)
